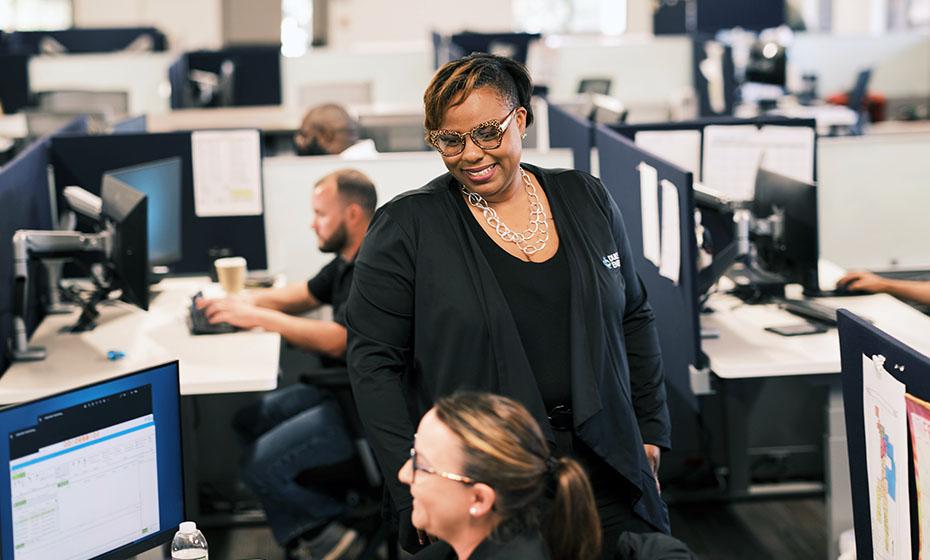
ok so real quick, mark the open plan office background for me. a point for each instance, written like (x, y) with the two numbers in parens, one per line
(567, 130)
(26, 202)
(87, 40)
(859, 338)
(82, 161)
(256, 74)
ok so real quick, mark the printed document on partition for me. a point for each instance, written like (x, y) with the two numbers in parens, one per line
(731, 159)
(680, 147)
(789, 151)
(649, 207)
(918, 416)
(884, 414)
(671, 233)
(227, 171)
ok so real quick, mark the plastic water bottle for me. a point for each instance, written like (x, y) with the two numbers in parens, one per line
(188, 543)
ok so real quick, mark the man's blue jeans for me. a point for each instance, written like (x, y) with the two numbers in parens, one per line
(286, 432)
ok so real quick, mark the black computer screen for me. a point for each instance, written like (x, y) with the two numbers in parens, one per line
(160, 182)
(793, 251)
(94, 472)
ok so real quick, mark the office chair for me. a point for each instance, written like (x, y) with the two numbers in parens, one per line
(336, 381)
(857, 99)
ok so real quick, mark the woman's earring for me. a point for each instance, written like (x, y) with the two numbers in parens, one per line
(523, 137)
(473, 510)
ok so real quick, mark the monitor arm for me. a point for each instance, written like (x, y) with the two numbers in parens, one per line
(41, 245)
(748, 225)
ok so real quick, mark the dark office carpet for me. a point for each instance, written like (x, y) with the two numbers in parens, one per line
(761, 530)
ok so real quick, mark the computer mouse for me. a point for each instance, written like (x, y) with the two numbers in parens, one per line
(844, 290)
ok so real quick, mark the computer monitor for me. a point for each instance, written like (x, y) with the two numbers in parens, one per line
(125, 214)
(94, 472)
(767, 64)
(160, 182)
(791, 246)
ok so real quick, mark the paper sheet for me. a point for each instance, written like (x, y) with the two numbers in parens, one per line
(671, 233)
(227, 172)
(731, 159)
(649, 206)
(789, 151)
(884, 413)
(918, 414)
(680, 147)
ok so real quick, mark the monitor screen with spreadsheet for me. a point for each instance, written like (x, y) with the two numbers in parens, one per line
(94, 472)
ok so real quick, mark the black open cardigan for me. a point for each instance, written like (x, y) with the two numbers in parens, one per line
(426, 317)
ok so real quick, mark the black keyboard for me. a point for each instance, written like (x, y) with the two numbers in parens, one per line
(199, 324)
(810, 310)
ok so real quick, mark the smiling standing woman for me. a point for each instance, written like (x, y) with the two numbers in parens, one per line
(504, 277)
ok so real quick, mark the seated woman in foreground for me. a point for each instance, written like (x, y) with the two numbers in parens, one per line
(484, 483)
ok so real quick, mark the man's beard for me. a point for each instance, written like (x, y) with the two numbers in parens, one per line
(336, 242)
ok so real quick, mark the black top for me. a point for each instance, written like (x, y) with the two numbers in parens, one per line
(426, 317)
(537, 295)
(331, 286)
(521, 547)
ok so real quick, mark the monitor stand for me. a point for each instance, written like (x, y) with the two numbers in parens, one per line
(157, 273)
(755, 285)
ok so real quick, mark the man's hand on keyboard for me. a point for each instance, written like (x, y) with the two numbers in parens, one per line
(237, 311)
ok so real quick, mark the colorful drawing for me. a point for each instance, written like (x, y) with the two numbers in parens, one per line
(918, 414)
(885, 441)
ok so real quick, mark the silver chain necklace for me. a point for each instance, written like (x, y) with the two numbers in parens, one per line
(533, 239)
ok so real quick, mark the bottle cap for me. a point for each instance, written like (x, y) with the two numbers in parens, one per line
(188, 527)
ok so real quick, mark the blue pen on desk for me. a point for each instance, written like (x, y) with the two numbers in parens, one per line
(114, 355)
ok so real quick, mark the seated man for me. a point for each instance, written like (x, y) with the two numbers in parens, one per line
(329, 130)
(914, 290)
(298, 428)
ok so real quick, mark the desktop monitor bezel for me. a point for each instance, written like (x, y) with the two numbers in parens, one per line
(171, 257)
(799, 253)
(164, 535)
(126, 210)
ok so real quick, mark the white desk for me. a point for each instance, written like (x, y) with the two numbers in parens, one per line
(226, 363)
(744, 350)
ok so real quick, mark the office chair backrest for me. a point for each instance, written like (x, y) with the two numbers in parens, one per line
(857, 95)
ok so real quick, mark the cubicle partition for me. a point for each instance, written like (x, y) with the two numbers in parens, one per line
(82, 161)
(144, 76)
(567, 130)
(393, 74)
(14, 87)
(25, 201)
(670, 279)
(889, 503)
(725, 152)
(873, 199)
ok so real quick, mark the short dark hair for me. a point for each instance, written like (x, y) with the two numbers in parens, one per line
(355, 187)
(456, 80)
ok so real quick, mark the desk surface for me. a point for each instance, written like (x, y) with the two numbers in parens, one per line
(745, 350)
(225, 363)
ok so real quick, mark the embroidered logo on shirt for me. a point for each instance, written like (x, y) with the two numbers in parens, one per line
(611, 261)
